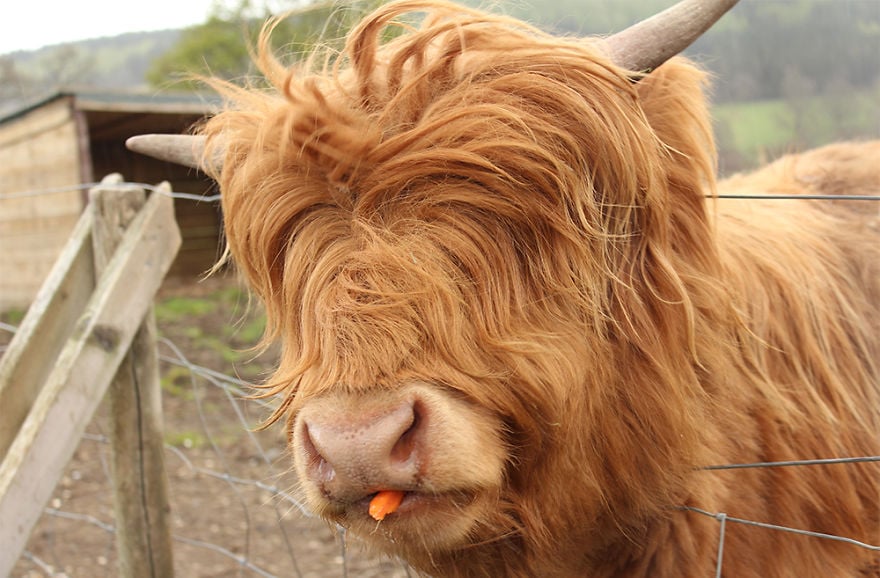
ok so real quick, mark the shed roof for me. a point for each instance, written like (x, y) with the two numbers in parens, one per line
(142, 102)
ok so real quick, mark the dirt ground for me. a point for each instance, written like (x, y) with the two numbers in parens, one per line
(228, 484)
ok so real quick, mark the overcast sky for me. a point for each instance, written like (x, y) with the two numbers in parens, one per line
(29, 24)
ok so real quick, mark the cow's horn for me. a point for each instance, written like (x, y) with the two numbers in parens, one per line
(182, 149)
(646, 45)
(641, 47)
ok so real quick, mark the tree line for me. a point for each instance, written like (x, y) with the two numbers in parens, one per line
(814, 55)
(763, 49)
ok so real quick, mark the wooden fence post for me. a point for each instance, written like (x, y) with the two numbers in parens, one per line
(140, 490)
(60, 363)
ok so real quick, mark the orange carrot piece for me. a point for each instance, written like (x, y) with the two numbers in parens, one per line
(384, 503)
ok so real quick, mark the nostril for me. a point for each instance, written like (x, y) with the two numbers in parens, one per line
(319, 467)
(404, 448)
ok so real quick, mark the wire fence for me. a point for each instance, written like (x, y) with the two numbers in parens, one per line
(234, 505)
(233, 511)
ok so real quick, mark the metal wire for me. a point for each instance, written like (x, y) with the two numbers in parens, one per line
(776, 527)
(111, 529)
(276, 496)
(233, 386)
(721, 532)
(798, 197)
(820, 462)
(217, 197)
(116, 186)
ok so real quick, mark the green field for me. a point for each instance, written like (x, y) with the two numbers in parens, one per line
(750, 133)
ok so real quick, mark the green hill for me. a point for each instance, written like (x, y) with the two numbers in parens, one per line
(786, 75)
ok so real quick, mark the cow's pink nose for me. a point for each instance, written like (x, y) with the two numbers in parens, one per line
(350, 454)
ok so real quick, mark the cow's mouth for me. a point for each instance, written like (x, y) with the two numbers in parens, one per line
(414, 504)
(415, 507)
(437, 521)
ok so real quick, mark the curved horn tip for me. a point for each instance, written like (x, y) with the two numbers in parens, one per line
(180, 149)
(647, 44)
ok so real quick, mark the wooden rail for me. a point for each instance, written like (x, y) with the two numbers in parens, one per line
(91, 326)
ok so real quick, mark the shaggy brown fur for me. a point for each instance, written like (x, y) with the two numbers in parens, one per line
(508, 218)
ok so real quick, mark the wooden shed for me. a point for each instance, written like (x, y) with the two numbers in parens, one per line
(73, 138)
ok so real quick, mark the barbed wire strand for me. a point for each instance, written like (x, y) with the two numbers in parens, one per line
(41, 564)
(123, 185)
(794, 463)
(197, 397)
(231, 385)
(275, 491)
(242, 561)
(807, 197)
(225, 476)
(209, 376)
(343, 533)
(217, 197)
(232, 481)
(287, 542)
(236, 385)
(779, 528)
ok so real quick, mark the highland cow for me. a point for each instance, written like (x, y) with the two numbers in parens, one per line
(504, 285)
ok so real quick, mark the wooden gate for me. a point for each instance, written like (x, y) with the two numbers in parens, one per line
(91, 328)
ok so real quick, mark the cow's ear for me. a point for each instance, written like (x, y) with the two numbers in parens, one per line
(646, 45)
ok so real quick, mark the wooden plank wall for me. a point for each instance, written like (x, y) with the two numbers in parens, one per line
(39, 151)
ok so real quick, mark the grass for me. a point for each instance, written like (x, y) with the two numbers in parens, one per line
(754, 125)
(221, 326)
(13, 316)
(186, 439)
(759, 131)
(176, 381)
(177, 309)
